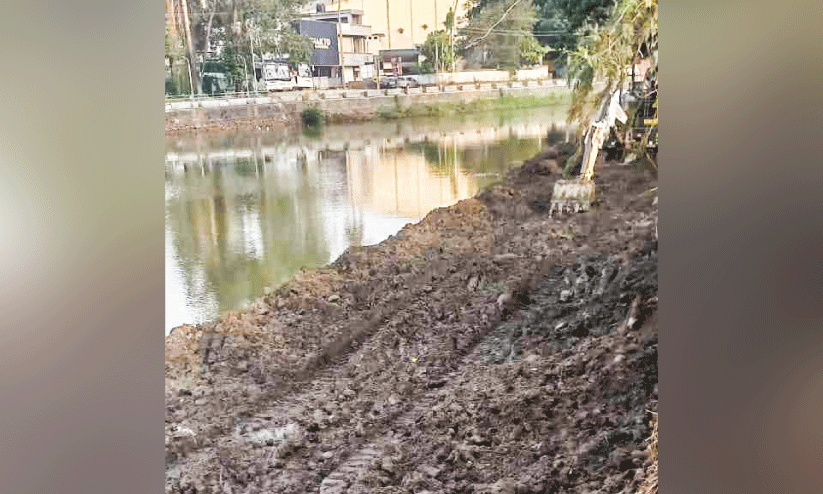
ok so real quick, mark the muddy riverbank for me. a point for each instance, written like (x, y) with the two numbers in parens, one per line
(487, 348)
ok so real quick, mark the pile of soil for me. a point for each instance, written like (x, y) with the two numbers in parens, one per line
(488, 348)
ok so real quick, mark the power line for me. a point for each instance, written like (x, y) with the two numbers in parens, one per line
(525, 31)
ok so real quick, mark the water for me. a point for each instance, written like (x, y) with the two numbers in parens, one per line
(246, 211)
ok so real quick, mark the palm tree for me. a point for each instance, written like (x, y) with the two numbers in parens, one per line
(631, 33)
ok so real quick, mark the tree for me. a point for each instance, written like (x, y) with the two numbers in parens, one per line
(531, 51)
(562, 23)
(499, 34)
(437, 51)
(271, 24)
(175, 52)
(178, 18)
(631, 33)
(243, 27)
(573, 14)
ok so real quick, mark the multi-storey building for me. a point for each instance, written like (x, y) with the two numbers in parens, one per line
(398, 27)
(342, 49)
(400, 24)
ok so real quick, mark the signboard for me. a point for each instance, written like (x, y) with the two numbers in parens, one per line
(322, 43)
(276, 71)
(649, 121)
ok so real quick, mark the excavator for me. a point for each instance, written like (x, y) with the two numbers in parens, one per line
(580, 193)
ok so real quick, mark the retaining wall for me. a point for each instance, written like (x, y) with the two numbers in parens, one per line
(285, 108)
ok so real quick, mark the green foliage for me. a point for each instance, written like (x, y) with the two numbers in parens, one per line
(437, 50)
(499, 34)
(269, 22)
(171, 86)
(449, 23)
(630, 34)
(174, 45)
(312, 117)
(232, 61)
(567, 20)
(531, 51)
(572, 163)
(262, 25)
(609, 52)
(391, 112)
(558, 24)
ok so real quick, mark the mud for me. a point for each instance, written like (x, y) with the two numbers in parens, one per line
(487, 348)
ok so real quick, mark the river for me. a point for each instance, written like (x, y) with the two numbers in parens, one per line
(245, 211)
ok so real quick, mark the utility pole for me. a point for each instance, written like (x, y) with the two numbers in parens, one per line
(191, 83)
(253, 75)
(437, 61)
(388, 22)
(246, 73)
(454, 22)
(437, 51)
(411, 14)
(190, 46)
(340, 42)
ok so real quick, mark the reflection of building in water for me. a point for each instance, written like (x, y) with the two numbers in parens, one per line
(236, 226)
(403, 182)
(249, 213)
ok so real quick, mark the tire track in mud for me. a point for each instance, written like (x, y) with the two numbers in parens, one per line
(374, 443)
(347, 473)
(320, 373)
(322, 370)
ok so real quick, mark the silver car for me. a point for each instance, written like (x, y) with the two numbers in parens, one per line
(407, 81)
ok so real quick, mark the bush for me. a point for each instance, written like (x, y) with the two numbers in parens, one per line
(571, 166)
(312, 117)
(388, 112)
(171, 87)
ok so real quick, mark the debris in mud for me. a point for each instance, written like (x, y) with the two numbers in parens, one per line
(487, 348)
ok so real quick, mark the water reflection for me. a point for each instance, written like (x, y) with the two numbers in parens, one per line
(247, 211)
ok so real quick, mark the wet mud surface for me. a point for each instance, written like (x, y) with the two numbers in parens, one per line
(486, 349)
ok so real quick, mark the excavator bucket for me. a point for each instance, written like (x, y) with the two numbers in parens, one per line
(579, 194)
(572, 196)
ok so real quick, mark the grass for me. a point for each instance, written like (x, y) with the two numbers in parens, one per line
(391, 112)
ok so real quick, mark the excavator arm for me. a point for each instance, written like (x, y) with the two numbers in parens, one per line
(578, 194)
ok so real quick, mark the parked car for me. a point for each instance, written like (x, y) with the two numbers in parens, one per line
(388, 83)
(407, 81)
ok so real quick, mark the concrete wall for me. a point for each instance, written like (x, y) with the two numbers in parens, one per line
(349, 104)
(484, 76)
(533, 74)
(474, 76)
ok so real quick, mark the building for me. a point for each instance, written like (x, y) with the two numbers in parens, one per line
(398, 62)
(342, 49)
(398, 24)
(325, 58)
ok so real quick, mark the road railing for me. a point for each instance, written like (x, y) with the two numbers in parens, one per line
(176, 103)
